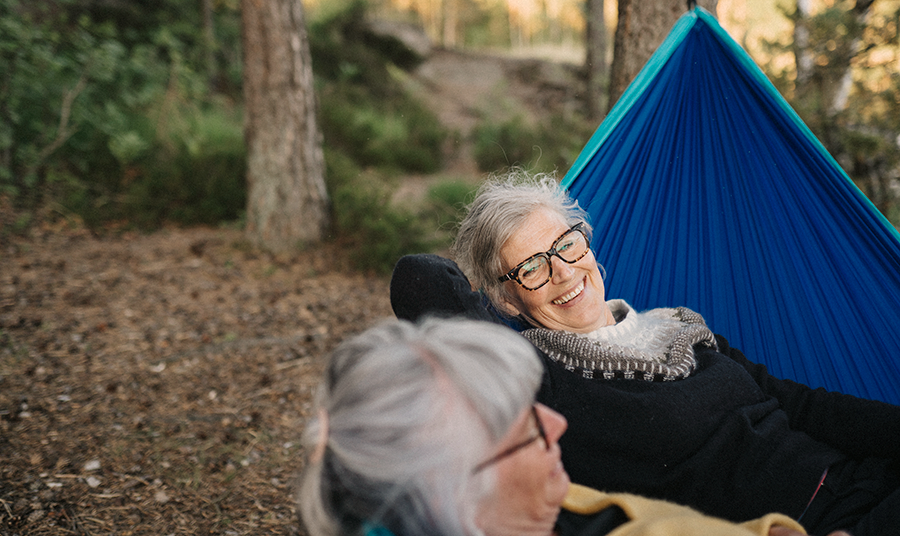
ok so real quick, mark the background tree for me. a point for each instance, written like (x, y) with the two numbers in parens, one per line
(642, 26)
(825, 48)
(209, 40)
(286, 196)
(803, 58)
(850, 50)
(595, 56)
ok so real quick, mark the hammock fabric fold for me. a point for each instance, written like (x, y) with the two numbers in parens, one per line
(707, 190)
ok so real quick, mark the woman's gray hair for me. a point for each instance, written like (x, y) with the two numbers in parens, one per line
(411, 410)
(501, 206)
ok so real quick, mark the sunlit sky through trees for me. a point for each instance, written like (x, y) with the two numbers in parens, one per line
(555, 27)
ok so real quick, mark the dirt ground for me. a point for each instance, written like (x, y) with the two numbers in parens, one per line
(158, 384)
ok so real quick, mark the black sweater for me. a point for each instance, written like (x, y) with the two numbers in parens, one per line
(730, 440)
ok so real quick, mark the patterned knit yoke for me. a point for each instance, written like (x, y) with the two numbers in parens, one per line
(656, 345)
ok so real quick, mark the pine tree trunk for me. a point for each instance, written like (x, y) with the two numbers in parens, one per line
(595, 56)
(287, 204)
(803, 55)
(451, 20)
(843, 76)
(642, 26)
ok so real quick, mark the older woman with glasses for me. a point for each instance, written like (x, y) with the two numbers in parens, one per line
(657, 404)
(433, 429)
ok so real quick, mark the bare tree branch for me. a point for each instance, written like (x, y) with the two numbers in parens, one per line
(63, 131)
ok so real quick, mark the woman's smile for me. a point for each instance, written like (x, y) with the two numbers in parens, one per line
(571, 295)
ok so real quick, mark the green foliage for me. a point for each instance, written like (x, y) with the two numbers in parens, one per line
(377, 231)
(364, 110)
(195, 176)
(447, 199)
(115, 114)
(341, 54)
(175, 159)
(545, 147)
(52, 71)
(397, 133)
(506, 144)
(108, 115)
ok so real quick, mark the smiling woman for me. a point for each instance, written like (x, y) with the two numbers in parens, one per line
(655, 401)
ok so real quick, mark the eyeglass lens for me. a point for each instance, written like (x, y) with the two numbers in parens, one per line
(536, 271)
(541, 434)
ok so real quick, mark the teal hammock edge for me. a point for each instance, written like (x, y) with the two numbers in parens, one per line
(635, 89)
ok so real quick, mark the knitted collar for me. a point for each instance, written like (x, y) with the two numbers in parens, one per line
(656, 345)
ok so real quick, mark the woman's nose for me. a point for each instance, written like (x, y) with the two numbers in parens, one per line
(554, 424)
(562, 270)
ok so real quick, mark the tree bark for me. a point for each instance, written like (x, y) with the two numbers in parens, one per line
(844, 79)
(642, 26)
(803, 55)
(595, 56)
(450, 22)
(287, 204)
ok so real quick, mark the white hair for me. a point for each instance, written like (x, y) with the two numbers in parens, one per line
(411, 410)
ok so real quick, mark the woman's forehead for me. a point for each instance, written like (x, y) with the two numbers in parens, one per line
(536, 234)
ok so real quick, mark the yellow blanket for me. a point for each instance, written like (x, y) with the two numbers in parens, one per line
(650, 517)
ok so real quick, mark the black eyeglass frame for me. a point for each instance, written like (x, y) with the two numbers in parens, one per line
(513, 275)
(541, 434)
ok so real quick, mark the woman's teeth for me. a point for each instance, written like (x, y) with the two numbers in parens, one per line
(568, 297)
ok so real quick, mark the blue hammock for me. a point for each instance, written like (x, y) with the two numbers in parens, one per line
(707, 190)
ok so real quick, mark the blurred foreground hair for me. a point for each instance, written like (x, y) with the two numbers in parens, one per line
(406, 411)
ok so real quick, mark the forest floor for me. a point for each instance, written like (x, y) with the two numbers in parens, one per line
(158, 384)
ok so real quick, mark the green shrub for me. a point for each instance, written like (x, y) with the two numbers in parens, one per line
(374, 228)
(549, 146)
(446, 201)
(504, 144)
(112, 124)
(192, 172)
(200, 175)
(377, 231)
(365, 111)
(399, 133)
(64, 82)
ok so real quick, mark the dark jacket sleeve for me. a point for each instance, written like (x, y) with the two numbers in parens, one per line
(856, 426)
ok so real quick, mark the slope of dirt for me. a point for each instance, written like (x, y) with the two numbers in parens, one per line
(159, 384)
(465, 88)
